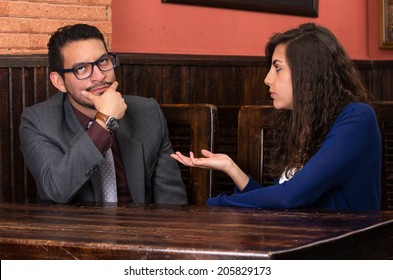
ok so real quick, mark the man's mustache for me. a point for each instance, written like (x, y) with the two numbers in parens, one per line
(99, 85)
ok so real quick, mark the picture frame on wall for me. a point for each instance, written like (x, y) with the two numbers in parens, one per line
(307, 8)
(386, 24)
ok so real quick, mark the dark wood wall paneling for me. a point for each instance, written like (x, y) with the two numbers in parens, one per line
(226, 81)
(23, 82)
(378, 76)
(194, 79)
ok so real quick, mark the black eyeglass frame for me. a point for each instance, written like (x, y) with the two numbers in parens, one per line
(95, 63)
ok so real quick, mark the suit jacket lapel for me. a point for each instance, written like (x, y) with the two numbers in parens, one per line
(71, 123)
(131, 151)
(74, 129)
(133, 160)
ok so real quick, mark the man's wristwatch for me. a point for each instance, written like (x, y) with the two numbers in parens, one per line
(111, 122)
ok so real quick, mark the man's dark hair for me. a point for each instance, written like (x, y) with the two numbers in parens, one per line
(65, 35)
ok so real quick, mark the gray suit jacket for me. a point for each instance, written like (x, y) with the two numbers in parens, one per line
(62, 158)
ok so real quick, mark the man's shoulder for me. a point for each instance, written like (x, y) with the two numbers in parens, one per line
(140, 103)
(138, 100)
(53, 101)
(143, 111)
(48, 111)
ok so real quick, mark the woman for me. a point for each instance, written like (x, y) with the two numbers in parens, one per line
(327, 144)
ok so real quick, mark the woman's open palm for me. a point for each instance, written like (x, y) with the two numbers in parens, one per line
(210, 160)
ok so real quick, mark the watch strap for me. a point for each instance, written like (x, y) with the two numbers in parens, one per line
(101, 116)
(111, 123)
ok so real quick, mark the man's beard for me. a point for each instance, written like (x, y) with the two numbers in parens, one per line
(84, 104)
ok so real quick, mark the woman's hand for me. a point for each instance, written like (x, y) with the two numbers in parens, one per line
(210, 160)
(221, 162)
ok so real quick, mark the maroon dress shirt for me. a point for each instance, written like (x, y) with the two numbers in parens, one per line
(104, 140)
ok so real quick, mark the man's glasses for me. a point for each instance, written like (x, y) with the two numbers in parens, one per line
(83, 71)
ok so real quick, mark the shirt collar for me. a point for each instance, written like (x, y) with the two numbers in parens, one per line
(83, 119)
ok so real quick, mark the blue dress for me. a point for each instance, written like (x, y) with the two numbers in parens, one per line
(344, 174)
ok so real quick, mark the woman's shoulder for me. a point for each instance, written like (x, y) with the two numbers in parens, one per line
(359, 106)
(360, 109)
(357, 113)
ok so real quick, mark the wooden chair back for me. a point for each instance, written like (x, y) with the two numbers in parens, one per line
(192, 127)
(253, 143)
(384, 111)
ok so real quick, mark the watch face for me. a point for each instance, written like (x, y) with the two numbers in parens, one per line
(112, 124)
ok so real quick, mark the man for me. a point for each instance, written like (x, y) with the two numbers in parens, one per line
(69, 139)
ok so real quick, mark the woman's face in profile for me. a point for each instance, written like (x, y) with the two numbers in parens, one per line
(279, 80)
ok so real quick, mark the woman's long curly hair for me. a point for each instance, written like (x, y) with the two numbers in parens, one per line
(324, 81)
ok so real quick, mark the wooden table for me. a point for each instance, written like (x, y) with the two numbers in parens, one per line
(36, 231)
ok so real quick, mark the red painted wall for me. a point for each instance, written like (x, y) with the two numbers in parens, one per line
(150, 26)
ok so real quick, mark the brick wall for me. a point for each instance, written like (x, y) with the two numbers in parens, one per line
(25, 26)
